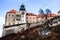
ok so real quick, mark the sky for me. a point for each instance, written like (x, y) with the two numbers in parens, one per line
(32, 6)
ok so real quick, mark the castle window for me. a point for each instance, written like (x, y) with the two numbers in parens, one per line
(27, 17)
(18, 19)
(9, 15)
(18, 15)
(12, 15)
(23, 13)
(30, 17)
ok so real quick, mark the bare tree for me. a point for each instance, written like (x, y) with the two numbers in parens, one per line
(41, 12)
(48, 11)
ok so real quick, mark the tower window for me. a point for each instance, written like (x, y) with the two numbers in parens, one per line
(23, 13)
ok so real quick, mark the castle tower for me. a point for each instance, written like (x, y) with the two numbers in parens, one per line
(20, 16)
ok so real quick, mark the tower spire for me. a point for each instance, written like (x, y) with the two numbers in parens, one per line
(22, 7)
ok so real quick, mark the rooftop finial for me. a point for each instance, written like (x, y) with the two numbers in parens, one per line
(22, 7)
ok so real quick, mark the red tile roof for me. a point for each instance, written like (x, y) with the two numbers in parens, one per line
(39, 16)
(12, 11)
(30, 14)
(52, 15)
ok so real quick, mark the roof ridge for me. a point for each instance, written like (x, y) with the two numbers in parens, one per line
(12, 11)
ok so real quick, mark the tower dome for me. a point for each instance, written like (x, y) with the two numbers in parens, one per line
(22, 8)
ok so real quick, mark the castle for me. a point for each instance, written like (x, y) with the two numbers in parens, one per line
(15, 21)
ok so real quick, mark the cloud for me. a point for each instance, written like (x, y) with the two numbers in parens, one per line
(1, 25)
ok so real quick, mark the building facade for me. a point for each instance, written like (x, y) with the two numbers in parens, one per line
(15, 21)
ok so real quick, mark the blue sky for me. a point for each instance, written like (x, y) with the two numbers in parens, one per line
(31, 6)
